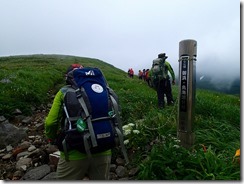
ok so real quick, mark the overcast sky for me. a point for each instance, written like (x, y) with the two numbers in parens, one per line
(125, 33)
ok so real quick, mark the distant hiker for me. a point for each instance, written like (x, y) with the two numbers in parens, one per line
(147, 77)
(161, 79)
(140, 74)
(150, 78)
(84, 123)
(144, 74)
(128, 72)
(131, 73)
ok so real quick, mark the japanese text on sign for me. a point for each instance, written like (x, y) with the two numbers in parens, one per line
(183, 87)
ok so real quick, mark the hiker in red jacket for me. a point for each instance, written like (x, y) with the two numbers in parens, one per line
(131, 73)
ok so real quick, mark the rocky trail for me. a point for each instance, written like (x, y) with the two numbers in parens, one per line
(26, 155)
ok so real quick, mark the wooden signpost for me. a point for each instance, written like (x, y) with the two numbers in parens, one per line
(187, 91)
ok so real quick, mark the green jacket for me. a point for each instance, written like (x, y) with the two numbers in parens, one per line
(53, 125)
(169, 69)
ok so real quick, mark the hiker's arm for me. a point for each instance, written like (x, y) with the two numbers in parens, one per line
(52, 122)
(171, 72)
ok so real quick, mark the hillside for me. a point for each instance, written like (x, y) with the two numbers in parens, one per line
(230, 86)
(27, 82)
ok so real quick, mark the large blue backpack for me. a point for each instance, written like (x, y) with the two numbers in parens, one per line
(92, 118)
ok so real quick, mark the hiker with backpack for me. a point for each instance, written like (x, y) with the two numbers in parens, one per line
(84, 123)
(148, 77)
(161, 80)
(131, 73)
(140, 74)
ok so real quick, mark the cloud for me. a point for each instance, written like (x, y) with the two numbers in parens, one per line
(124, 33)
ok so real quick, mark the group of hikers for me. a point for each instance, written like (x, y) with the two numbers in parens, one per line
(84, 120)
(158, 78)
(145, 75)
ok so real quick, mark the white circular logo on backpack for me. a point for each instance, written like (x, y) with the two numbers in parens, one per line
(97, 88)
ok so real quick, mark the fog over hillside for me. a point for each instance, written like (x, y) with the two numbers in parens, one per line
(222, 75)
(226, 84)
(217, 76)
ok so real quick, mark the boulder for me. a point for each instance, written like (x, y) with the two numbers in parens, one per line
(10, 134)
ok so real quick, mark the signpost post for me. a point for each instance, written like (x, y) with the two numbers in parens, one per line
(187, 91)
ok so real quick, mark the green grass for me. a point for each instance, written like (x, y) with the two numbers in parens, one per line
(27, 81)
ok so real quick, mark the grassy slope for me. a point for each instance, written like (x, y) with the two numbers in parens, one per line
(26, 80)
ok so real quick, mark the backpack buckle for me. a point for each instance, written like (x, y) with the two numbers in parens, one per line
(111, 114)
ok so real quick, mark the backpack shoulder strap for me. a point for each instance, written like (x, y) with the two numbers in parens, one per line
(80, 93)
(118, 124)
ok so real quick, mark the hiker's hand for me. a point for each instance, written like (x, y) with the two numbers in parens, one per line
(173, 82)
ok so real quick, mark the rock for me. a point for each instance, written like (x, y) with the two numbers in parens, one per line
(9, 176)
(133, 171)
(35, 153)
(113, 167)
(2, 150)
(51, 149)
(9, 148)
(53, 158)
(113, 176)
(32, 137)
(22, 154)
(39, 126)
(21, 148)
(17, 112)
(121, 171)
(50, 176)
(17, 175)
(1, 155)
(7, 156)
(38, 137)
(10, 134)
(22, 162)
(120, 161)
(37, 173)
(37, 143)
(25, 145)
(2, 119)
(19, 118)
(31, 148)
(23, 167)
(27, 120)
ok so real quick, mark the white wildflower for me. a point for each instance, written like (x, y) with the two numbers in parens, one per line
(136, 131)
(127, 132)
(126, 141)
(131, 124)
(177, 140)
(176, 146)
(125, 127)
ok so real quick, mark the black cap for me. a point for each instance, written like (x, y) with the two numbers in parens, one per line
(162, 55)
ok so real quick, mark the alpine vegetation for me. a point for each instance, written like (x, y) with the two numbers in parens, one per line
(150, 133)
